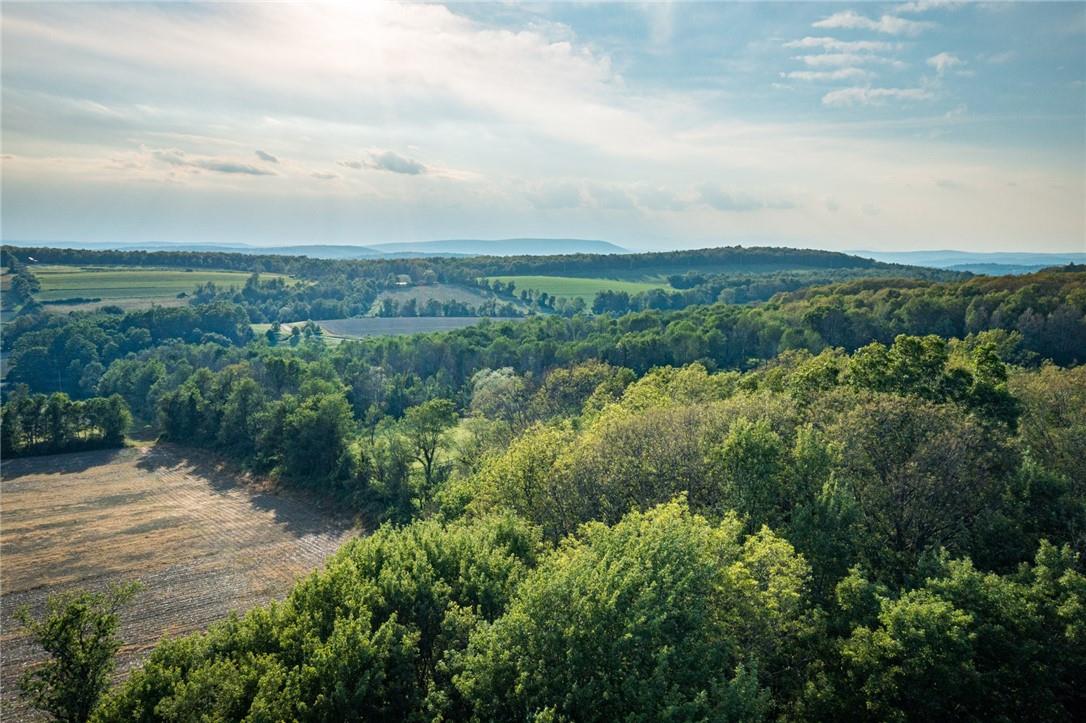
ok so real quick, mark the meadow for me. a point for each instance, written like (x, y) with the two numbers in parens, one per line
(128, 287)
(201, 542)
(441, 293)
(339, 330)
(572, 287)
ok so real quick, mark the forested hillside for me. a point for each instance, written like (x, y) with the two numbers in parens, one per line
(891, 534)
(346, 288)
(859, 501)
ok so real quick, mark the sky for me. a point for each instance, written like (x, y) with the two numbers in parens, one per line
(882, 126)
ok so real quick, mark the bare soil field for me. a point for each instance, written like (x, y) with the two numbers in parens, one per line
(202, 539)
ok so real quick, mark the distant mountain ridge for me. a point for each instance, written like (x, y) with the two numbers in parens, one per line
(505, 247)
(407, 249)
(992, 263)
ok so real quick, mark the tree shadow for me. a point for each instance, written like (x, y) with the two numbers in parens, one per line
(301, 514)
(64, 463)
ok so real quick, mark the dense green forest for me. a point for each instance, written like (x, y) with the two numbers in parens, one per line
(48, 424)
(863, 500)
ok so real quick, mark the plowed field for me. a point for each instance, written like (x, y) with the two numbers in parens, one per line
(202, 540)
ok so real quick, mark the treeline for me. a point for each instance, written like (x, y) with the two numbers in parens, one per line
(342, 288)
(1041, 316)
(697, 288)
(23, 284)
(70, 354)
(725, 258)
(391, 307)
(49, 424)
(1046, 308)
(729, 258)
(894, 534)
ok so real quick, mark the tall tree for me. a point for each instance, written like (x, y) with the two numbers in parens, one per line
(79, 634)
(425, 425)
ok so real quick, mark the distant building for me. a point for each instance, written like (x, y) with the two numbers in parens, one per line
(403, 280)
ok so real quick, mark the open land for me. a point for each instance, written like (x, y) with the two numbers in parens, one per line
(202, 539)
(339, 330)
(125, 286)
(441, 293)
(571, 287)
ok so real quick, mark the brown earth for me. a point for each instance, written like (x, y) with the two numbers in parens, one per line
(203, 539)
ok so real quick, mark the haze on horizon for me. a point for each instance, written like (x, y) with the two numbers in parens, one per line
(917, 125)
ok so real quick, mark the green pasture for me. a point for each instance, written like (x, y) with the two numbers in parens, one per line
(118, 283)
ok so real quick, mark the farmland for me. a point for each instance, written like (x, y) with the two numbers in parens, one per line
(202, 542)
(572, 287)
(441, 293)
(127, 287)
(338, 330)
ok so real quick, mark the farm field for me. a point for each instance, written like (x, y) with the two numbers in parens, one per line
(439, 292)
(128, 287)
(339, 330)
(572, 287)
(202, 542)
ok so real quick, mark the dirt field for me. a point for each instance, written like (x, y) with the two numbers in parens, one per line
(201, 542)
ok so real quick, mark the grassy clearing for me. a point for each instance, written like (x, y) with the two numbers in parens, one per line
(339, 330)
(112, 283)
(571, 287)
(440, 292)
(202, 543)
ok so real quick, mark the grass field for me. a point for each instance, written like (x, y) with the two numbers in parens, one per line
(339, 330)
(571, 287)
(201, 542)
(126, 285)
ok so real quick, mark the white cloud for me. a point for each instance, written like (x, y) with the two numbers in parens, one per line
(557, 195)
(944, 62)
(845, 59)
(382, 160)
(817, 75)
(658, 198)
(887, 24)
(843, 46)
(720, 199)
(609, 196)
(504, 103)
(174, 157)
(957, 111)
(391, 161)
(998, 58)
(922, 6)
(873, 96)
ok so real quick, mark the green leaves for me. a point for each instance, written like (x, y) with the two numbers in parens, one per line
(78, 633)
(610, 626)
(966, 644)
(40, 424)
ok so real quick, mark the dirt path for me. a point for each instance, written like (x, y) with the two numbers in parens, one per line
(201, 542)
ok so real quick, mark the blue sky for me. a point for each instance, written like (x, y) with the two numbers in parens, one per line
(911, 125)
